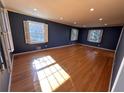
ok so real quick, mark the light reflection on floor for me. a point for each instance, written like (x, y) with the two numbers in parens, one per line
(50, 74)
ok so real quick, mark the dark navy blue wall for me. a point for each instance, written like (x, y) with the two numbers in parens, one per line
(58, 34)
(109, 39)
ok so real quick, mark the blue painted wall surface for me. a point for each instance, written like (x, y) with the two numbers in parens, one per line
(109, 39)
(58, 34)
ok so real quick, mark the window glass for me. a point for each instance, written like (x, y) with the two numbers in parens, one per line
(95, 36)
(74, 34)
(36, 32)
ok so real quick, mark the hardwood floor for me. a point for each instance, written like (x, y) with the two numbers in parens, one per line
(76, 68)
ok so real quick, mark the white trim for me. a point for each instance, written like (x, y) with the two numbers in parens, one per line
(43, 30)
(113, 64)
(61, 47)
(74, 34)
(98, 47)
(89, 33)
(43, 49)
(10, 77)
(5, 44)
(118, 75)
(8, 30)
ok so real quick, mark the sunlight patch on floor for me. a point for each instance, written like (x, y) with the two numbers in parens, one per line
(50, 74)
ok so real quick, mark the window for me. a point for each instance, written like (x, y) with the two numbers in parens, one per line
(74, 34)
(95, 36)
(35, 32)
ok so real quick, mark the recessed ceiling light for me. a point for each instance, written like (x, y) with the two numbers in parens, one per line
(35, 9)
(61, 18)
(100, 19)
(105, 24)
(84, 25)
(92, 9)
(75, 23)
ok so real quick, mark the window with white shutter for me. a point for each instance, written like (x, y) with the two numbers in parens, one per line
(35, 32)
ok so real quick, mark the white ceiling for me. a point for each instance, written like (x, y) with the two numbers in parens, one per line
(72, 11)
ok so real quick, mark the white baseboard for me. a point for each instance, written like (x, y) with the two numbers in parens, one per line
(62, 47)
(43, 49)
(97, 47)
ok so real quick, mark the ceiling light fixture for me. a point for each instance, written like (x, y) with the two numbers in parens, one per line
(92, 9)
(75, 23)
(35, 9)
(84, 25)
(105, 24)
(100, 19)
(61, 18)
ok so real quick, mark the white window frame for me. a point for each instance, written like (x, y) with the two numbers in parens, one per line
(74, 34)
(27, 33)
(89, 34)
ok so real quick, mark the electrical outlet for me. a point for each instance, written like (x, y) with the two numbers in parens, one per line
(45, 46)
(38, 47)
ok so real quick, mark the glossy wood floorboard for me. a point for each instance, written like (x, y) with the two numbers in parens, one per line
(75, 68)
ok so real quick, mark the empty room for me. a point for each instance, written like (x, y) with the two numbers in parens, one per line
(61, 45)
